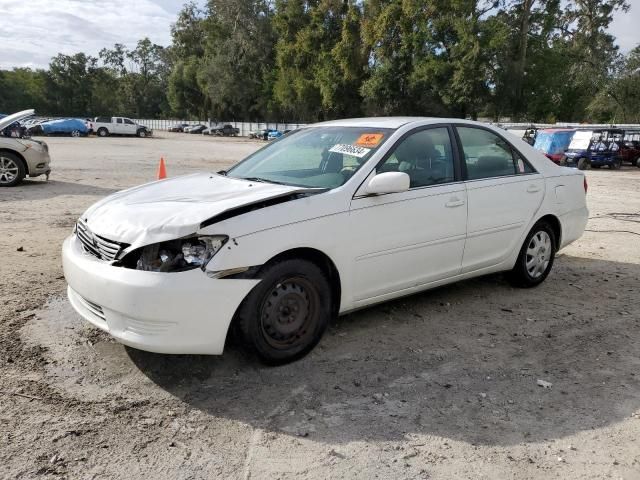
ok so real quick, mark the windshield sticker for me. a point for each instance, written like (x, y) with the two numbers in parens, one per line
(369, 140)
(350, 150)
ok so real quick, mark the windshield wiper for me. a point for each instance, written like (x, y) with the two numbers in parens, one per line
(262, 180)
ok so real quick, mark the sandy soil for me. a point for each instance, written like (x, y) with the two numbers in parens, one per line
(438, 385)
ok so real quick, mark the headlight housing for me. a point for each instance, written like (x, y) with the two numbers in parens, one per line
(176, 255)
(30, 143)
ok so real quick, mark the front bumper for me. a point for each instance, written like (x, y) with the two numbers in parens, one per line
(37, 162)
(184, 312)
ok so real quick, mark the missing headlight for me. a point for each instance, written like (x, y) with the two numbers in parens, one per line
(175, 255)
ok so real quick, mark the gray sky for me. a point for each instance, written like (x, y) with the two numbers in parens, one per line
(33, 31)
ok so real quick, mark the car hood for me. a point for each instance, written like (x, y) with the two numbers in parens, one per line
(170, 209)
(16, 117)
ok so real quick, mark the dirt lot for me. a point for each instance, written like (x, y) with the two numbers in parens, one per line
(438, 385)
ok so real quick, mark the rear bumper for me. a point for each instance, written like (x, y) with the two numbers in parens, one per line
(573, 225)
(183, 312)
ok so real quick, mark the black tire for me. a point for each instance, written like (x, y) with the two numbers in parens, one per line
(535, 252)
(637, 162)
(616, 165)
(12, 169)
(584, 164)
(286, 314)
(142, 133)
(103, 132)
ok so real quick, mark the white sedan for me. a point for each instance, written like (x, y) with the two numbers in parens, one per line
(330, 218)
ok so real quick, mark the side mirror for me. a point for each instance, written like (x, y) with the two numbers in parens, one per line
(388, 182)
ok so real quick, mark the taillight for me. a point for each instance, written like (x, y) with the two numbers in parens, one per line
(586, 187)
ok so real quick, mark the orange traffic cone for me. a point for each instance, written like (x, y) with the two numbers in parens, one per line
(162, 170)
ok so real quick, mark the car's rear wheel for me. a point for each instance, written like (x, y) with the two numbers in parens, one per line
(616, 164)
(75, 133)
(286, 314)
(12, 169)
(103, 132)
(536, 257)
(584, 164)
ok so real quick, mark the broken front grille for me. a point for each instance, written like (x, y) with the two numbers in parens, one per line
(100, 247)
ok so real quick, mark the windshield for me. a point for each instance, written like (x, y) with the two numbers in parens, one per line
(315, 157)
(581, 140)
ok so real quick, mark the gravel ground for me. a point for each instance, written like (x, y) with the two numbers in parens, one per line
(438, 385)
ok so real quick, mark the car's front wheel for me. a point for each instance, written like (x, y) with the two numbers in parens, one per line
(142, 133)
(12, 169)
(286, 314)
(536, 257)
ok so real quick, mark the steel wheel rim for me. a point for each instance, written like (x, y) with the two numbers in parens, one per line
(8, 170)
(538, 254)
(288, 312)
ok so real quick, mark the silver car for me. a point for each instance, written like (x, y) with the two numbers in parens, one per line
(21, 156)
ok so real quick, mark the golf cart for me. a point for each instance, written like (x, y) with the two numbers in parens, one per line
(594, 149)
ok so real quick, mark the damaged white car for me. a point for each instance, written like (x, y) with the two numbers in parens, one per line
(328, 219)
(21, 156)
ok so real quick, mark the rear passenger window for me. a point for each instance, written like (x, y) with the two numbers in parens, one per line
(425, 156)
(487, 155)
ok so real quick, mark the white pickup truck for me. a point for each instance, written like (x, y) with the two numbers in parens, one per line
(105, 126)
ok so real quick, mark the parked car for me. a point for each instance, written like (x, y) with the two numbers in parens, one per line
(106, 126)
(89, 124)
(21, 156)
(256, 134)
(553, 142)
(178, 127)
(67, 126)
(195, 128)
(630, 147)
(283, 242)
(226, 131)
(273, 134)
(594, 148)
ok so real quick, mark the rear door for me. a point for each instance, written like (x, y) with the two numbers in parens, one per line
(504, 192)
(118, 126)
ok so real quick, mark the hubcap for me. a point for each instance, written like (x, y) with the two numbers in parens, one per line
(539, 253)
(8, 170)
(287, 313)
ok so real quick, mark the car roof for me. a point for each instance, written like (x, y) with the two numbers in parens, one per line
(393, 122)
(558, 130)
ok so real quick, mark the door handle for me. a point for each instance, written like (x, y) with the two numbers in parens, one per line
(533, 189)
(454, 202)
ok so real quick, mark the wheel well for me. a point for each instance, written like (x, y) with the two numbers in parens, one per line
(322, 261)
(17, 154)
(553, 221)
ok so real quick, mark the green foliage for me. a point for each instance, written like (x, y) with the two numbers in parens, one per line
(308, 60)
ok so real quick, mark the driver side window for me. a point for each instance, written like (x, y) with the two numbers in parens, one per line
(425, 156)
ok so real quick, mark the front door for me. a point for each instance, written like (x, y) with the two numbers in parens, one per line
(410, 239)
